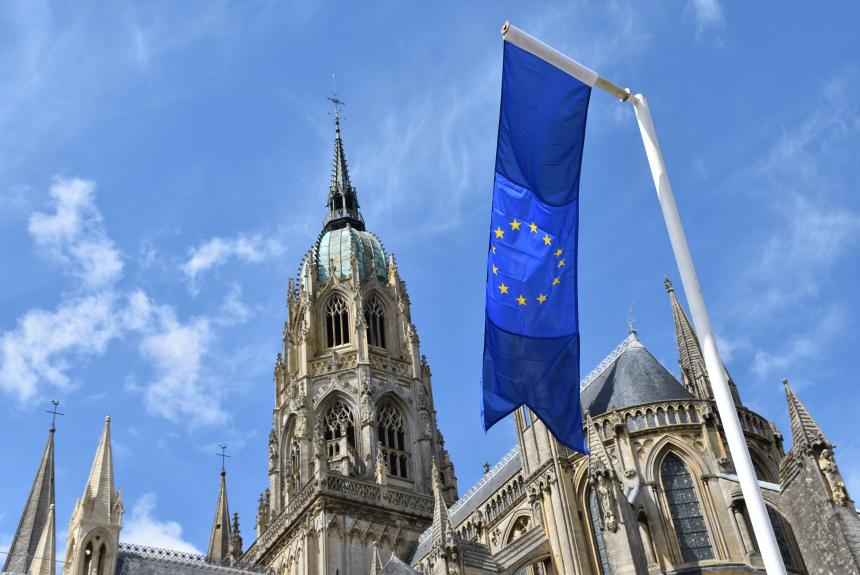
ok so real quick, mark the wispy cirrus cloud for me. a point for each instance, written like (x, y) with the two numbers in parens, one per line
(218, 251)
(708, 15)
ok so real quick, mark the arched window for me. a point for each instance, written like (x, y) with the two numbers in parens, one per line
(374, 317)
(785, 540)
(686, 513)
(294, 466)
(338, 426)
(336, 322)
(521, 525)
(392, 435)
(597, 531)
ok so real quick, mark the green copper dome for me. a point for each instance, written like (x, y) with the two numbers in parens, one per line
(335, 248)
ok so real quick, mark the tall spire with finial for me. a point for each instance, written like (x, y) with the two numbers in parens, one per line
(35, 518)
(442, 530)
(342, 198)
(805, 432)
(219, 540)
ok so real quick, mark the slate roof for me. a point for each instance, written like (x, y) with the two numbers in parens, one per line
(629, 376)
(140, 560)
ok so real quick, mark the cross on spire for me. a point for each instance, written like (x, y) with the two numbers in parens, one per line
(54, 413)
(338, 103)
(223, 455)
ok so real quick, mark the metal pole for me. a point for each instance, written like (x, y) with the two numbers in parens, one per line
(728, 413)
(722, 395)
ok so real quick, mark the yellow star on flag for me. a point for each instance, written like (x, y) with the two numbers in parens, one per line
(521, 300)
(547, 240)
(561, 263)
(495, 270)
(500, 233)
(533, 227)
(556, 281)
(503, 288)
(515, 225)
(541, 298)
(558, 252)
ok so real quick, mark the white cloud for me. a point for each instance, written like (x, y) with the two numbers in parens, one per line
(74, 234)
(143, 528)
(43, 344)
(177, 352)
(218, 251)
(708, 13)
(799, 348)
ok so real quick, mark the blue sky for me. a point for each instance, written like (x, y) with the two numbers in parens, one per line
(164, 166)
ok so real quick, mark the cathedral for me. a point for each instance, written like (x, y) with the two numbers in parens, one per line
(359, 480)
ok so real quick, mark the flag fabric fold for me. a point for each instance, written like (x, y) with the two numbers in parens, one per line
(531, 336)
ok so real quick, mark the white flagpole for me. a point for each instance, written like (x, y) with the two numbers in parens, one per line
(719, 385)
(722, 395)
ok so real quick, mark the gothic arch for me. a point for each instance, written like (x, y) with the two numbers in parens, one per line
(378, 327)
(99, 545)
(324, 429)
(519, 524)
(761, 465)
(667, 444)
(394, 431)
(694, 542)
(336, 319)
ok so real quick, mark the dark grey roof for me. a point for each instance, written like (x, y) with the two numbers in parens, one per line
(397, 567)
(478, 555)
(140, 560)
(629, 376)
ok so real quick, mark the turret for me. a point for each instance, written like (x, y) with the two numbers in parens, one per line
(97, 518)
(219, 539)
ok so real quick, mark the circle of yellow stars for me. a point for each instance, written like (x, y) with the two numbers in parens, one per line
(504, 289)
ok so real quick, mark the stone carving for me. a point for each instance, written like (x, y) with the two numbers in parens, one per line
(381, 468)
(603, 487)
(273, 451)
(827, 465)
(336, 362)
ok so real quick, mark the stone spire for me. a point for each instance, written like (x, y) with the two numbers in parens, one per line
(443, 531)
(97, 516)
(598, 459)
(805, 432)
(342, 198)
(99, 495)
(219, 540)
(37, 510)
(691, 359)
(45, 558)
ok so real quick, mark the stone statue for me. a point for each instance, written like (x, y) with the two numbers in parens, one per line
(273, 451)
(606, 500)
(827, 465)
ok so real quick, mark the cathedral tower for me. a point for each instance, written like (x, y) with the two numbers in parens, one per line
(354, 431)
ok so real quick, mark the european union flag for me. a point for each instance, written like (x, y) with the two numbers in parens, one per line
(531, 335)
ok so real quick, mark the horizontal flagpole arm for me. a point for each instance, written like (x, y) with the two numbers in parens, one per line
(582, 73)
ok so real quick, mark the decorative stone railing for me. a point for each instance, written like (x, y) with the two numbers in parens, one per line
(674, 413)
(181, 557)
(344, 487)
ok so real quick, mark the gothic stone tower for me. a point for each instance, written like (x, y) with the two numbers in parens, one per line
(354, 434)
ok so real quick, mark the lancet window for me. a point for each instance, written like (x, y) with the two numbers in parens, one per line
(392, 435)
(336, 322)
(685, 510)
(374, 317)
(597, 530)
(294, 466)
(338, 430)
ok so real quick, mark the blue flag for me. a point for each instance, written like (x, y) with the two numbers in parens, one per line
(531, 334)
